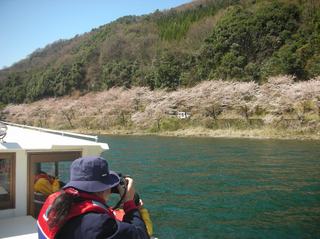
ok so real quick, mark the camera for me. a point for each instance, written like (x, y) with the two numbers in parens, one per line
(123, 183)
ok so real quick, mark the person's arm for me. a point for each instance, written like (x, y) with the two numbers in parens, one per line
(132, 224)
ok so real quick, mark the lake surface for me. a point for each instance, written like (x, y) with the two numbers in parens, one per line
(223, 188)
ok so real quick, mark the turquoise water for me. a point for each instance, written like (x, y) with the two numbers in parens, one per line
(224, 188)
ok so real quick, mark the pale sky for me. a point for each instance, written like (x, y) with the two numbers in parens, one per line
(26, 25)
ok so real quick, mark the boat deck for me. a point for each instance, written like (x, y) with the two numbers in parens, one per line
(18, 228)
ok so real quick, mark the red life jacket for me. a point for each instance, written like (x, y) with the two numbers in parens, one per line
(90, 203)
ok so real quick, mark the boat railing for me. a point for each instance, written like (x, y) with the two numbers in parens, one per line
(59, 132)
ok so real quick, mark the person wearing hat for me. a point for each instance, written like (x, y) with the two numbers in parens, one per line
(79, 210)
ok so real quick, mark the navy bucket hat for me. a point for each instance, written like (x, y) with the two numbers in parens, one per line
(92, 174)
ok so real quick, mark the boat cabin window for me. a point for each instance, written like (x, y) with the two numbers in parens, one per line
(48, 173)
(7, 180)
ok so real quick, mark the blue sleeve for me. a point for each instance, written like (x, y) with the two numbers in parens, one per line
(132, 226)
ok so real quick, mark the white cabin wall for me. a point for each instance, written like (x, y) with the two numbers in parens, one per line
(21, 180)
(21, 183)
(91, 151)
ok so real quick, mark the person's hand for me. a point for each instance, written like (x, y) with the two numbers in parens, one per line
(130, 190)
(140, 204)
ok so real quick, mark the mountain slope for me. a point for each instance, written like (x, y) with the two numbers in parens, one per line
(209, 39)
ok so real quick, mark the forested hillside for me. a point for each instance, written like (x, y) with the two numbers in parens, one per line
(243, 40)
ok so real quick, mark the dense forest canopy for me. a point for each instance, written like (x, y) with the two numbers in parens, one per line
(243, 40)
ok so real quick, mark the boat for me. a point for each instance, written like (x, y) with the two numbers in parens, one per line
(25, 153)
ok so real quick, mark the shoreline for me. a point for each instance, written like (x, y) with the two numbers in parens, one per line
(246, 111)
(209, 133)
